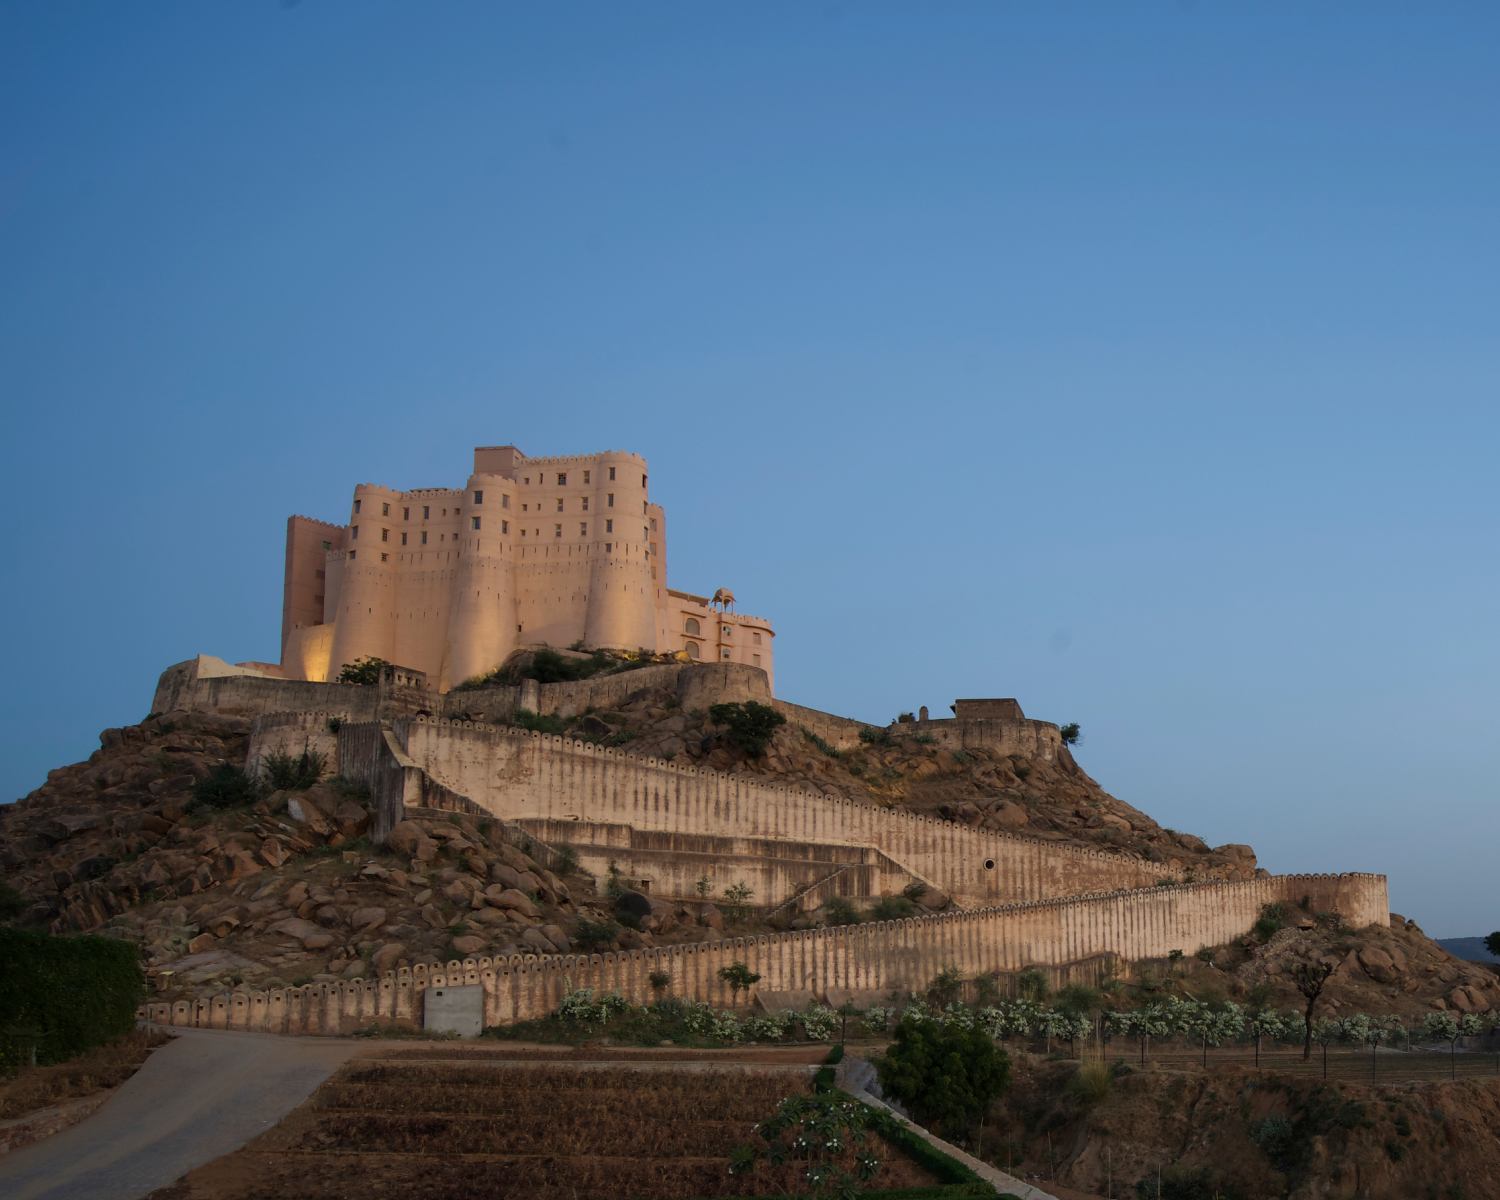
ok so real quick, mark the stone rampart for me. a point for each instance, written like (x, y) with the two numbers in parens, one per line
(512, 774)
(292, 733)
(180, 688)
(874, 958)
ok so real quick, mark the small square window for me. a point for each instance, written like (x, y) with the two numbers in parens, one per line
(559, 504)
(328, 545)
(319, 575)
(562, 480)
(403, 539)
(611, 500)
(724, 654)
(557, 531)
(583, 529)
(609, 526)
(385, 558)
(385, 535)
(424, 537)
(608, 546)
(756, 658)
(317, 599)
(653, 547)
(726, 629)
(476, 522)
(523, 533)
(351, 556)
(585, 504)
(354, 533)
(504, 526)
(385, 510)
(356, 506)
(505, 500)
(426, 512)
(611, 474)
(406, 514)
(653, 523)
(525, 507)
(755, 637)
(585, 477)
(478, 497)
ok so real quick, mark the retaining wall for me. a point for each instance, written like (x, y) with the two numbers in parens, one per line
(292, 733)
(875, 958)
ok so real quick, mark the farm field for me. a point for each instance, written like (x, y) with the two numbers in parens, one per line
(1389, 1066)
(513, 1126)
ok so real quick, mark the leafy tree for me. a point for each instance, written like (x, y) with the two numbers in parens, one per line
(892, 908)
(226, 786)
(1492, 943)
(659, 981)
(818, 1129)
(1032, 984)
(289, 774)
(1267, 1023)
(946, 984)
(1070, 734)
(751, 724)
(1325, 1031)
(738, 896)
(840, 910)
(364, 671)
(740, 978)
(945, 1073)
(592, 934)
(1449, 1027)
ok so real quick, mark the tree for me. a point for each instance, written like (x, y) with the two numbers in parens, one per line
(739, 977)
(364, 671)
(1070, 734)
(947, 1074)
(1449, 1027)
(1492, 943)
(819, 1129)
(1325, 1031)
(751, 724)
(1310, 978)
(738, 897)
(1268, 1023)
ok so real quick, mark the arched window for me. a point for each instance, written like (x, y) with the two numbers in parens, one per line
(692, 649)
(692, 626)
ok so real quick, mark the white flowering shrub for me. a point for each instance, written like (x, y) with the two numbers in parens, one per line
(819, 1021)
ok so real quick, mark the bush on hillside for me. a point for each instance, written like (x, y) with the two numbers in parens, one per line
(944, 1073)
(365, 671)
(294, 774)
(65, 994)
(751, 725)
(227, 786)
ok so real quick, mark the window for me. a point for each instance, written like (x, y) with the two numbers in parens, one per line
(609, 526)
(504, 526)
(505, 500)
(351, 556)
(384, 557)
(557, 531)
(755, 637)
(585, 477)
(478, 497)
(385, 510)
(356, 507)
(562, 480)
(585, 504)
(611, 500)
(320, 574)
(424, 537)
(653, 523)
(476, 522)
(385, 535)
(525, 508)
(724, 654)
(691, 626)
(406, 514)
(645, 533)
(644, 507)
(643, 481)
(756, 657)
(726, 630)
(354, 533)
(583, 529)
(692, 649)
(523, 533)
(328, 545)
(653, 547)
(611, 474)
(426, 512)
(403, 539)
(559, 504)
(317, 599)
(608, 547)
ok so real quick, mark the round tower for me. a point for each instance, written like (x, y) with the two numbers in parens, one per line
(364, 619)
(621, 604)
(482, 625)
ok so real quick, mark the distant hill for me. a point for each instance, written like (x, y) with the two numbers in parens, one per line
(1471, 948)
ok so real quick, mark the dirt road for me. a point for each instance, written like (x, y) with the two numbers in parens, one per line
(206, 1094)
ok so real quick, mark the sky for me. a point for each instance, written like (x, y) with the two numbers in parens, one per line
(1136, 361)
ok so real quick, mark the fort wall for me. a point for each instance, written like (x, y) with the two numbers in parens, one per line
(874, 958)
(292, 733)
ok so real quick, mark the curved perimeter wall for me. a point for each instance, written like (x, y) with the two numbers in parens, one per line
(877, 957)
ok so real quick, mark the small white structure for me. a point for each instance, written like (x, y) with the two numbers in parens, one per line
(457, 1010)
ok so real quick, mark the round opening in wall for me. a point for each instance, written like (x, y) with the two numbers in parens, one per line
(989, 864)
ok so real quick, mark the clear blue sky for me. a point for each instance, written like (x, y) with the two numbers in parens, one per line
(1137, 361)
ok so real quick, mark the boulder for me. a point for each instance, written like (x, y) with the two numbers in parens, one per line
(1378, 965)
(387, 956)
(433, 915)
(933, 900)
(707, 915)
(367, 918)
(537, 940)
(352, 819)
(295, 894)
(458, 891)
(468, 944)
(294, 927)
(405, 837)
(509, 898)
(1010, 816)
(305, 812)
(1239, 853)
(489, 916)
(513, 858)
(637, 903)
(1188, 842)
(317, 941)
(205, 941)
(327, 915)
(1465, 999)
(225, 923)
(557, 937)
(506, 875)
(273, 852)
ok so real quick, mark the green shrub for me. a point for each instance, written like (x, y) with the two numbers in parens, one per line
(840, 910)
(892, 908)
(751, 725)
(334, 724)
(227, 786)
(961, 758)
(288, 774)
(943, 1073)
(12, 903)
(1272, 920)
(365, 671)
(566, 858)
(1093, 1081)
(925, 739)
(876, 737)
(592, 934)
(826, 747)
(68, 994)
(1070, 734)
(537, 723)
(349, 789)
